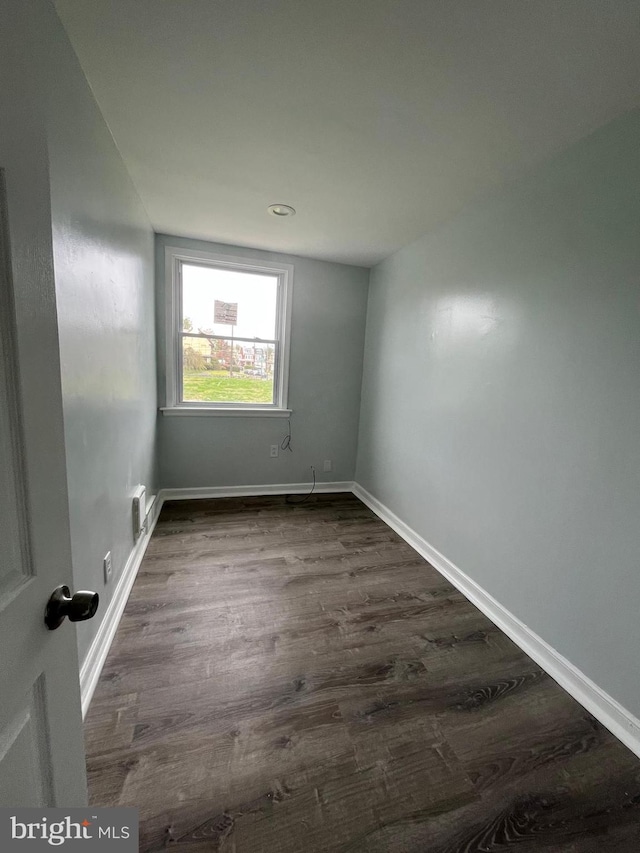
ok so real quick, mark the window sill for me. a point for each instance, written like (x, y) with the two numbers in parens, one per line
(205, 411)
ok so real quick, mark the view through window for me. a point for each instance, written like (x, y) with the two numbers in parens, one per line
(230, 336)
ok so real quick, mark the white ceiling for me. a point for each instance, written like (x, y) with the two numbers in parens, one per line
(375, 119)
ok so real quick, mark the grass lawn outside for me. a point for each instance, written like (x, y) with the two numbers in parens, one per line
(216, 386)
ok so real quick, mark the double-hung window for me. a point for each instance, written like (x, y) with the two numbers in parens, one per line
(228, 323)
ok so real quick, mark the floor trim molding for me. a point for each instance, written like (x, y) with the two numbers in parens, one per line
(620, 722)
(99, 649)
(254, 491)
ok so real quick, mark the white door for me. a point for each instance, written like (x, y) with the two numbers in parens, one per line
(41, 745)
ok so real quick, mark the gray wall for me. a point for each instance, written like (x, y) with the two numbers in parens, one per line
(327, 337)
(103, 258)
(501, 407)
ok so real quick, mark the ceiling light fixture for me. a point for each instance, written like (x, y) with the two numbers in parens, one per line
(281, 210)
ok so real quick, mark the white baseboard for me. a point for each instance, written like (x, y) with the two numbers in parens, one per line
(620, 722)
(99, 649)
(253, 491)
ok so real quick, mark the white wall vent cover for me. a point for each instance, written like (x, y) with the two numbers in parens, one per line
(139, 511)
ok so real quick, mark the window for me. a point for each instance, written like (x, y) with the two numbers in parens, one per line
(227, 333)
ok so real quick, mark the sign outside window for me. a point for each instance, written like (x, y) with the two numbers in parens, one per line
(225, 313)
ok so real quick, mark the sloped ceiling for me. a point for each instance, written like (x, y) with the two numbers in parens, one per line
(375, 119)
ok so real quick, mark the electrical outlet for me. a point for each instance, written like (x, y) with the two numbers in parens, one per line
(274, 451)
(107, 566)
(327, 466)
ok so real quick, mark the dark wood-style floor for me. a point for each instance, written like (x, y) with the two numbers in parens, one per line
(293, 679)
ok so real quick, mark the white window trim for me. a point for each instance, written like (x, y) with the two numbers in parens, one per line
(173, 257)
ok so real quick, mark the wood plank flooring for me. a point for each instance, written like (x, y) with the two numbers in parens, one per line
(296, 679)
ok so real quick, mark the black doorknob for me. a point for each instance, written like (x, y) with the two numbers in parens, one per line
(78, 607)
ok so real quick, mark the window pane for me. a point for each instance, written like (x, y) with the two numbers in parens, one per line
(254, 295)
(215, 372)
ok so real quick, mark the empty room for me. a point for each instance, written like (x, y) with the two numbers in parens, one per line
(319, 418)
